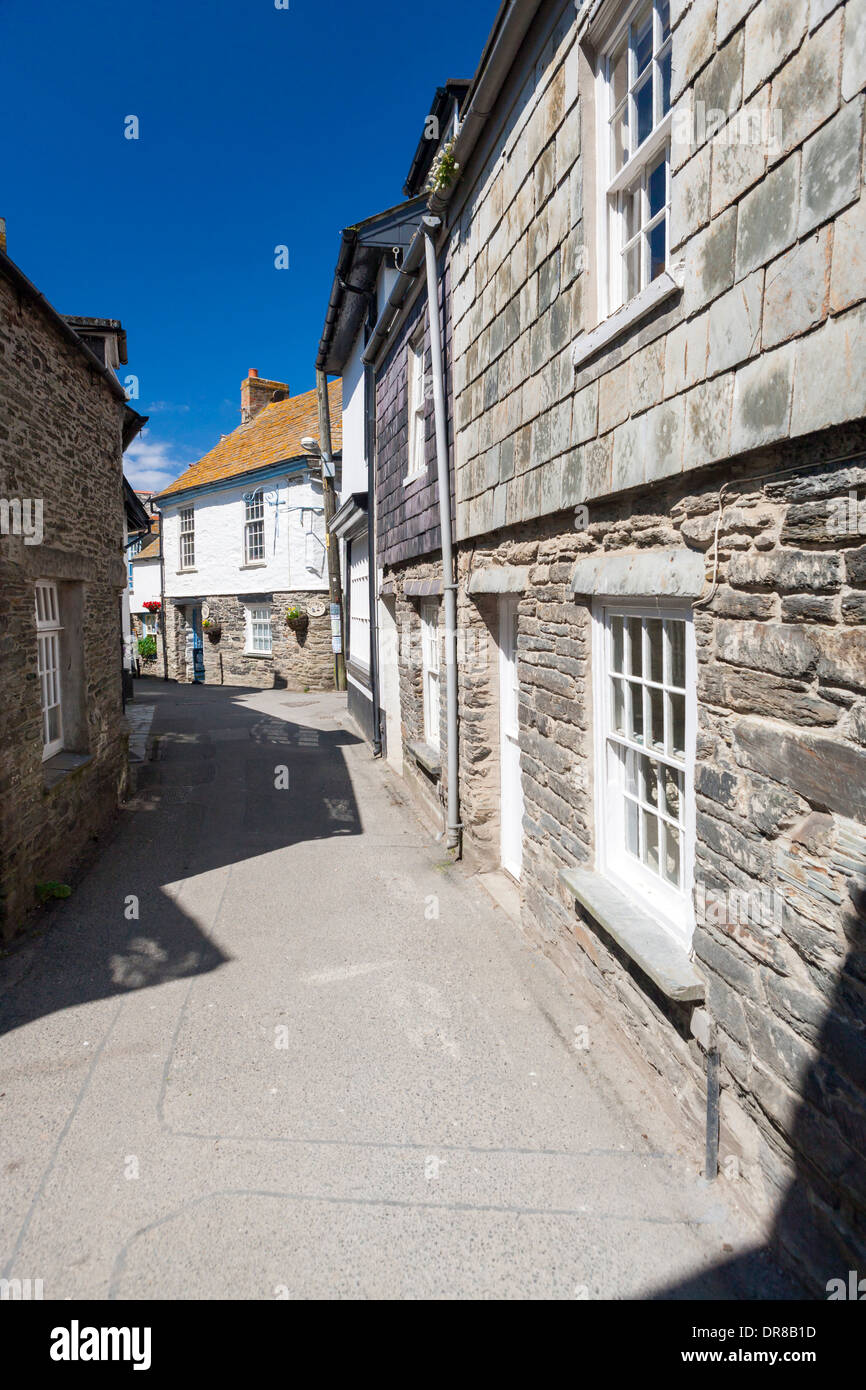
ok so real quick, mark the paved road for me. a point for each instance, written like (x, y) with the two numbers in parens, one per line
(319, 1062)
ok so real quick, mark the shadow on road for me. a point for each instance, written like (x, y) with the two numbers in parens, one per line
(223, 783)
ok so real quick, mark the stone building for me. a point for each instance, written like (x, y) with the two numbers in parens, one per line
(649, 240)
(243, 546)
(65, 424)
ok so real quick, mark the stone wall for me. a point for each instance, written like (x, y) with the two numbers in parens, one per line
(61, 428)
(780, 816)
(299, 660)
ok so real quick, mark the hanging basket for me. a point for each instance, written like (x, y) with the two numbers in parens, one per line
(214, 632)
(297, 620)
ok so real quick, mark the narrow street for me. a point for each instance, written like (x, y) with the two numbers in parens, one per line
(274, 1045)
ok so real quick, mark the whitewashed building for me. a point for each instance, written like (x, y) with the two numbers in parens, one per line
(244, 557)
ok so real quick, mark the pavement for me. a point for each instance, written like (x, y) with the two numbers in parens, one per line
(275, 1045)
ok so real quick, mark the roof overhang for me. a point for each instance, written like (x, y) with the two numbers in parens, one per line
(137, 517)
(302, 463)
(350, 520)
(362, 251)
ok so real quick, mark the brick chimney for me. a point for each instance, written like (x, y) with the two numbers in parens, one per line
(256, 393)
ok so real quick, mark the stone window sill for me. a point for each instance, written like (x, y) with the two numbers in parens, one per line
(414, 477)
(613, 327)
(190, 571)
(61, 766)
(254, 565)
(427, 757)
(638, 933)
(260, 656)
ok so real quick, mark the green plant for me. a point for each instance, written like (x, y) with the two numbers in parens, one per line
(443, 170)
(50, 889)
(293, 614)
(147, 648)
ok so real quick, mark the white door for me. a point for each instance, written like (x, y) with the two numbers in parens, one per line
(511, 787)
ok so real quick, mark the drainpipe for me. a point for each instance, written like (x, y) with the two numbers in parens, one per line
(372, 572)
(430, 226)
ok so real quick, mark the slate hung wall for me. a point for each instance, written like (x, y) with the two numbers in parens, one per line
(572, 450)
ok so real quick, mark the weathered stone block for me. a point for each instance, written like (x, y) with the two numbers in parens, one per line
(773, 31)
(762, 400)
(843, 659)
(768, 217)
(854, 53)
(686, 355)
(693, 45)
(797, 290)
(831, 168)
(646, 377)
(848, 278)
(788, 571)
(773, 647)
(806, 92)
(690, 197)
(735, 325)
(808, 608)
(729, 603)
(709, 261)
(827, 773)
(708, 422)
(842, 342)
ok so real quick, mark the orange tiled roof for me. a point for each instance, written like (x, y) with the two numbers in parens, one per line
(272, 435)
(150, 548)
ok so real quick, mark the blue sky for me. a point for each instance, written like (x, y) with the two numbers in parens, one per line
(258, 127)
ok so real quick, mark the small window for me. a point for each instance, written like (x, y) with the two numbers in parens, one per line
(430, 671)
(416, 463)
(259, 629)
(48, 630)
(634, 157)
(647, 700)
(254, 529)
(187, 538)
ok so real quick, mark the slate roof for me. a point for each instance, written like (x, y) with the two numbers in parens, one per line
(272, 436)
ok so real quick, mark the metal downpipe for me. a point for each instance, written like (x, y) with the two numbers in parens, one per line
(449, 588)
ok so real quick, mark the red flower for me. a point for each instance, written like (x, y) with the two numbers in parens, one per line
(152, 604)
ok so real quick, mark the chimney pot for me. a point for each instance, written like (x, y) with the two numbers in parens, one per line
(254, 371)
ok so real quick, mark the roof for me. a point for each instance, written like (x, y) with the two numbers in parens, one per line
(363, 247)
(136, 516)
(441, 110)
(272, 436)
(150, 548)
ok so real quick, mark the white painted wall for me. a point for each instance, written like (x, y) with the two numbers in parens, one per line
(145, 583)
(295, 556)
(354, 463)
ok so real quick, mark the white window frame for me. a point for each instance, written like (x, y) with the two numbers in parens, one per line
(254, 528)
(258, 641)
(359, 602)
(673, 908)
(430, 670)
(616, 187)
(186, 538)
(416, 463)
(48, 657)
